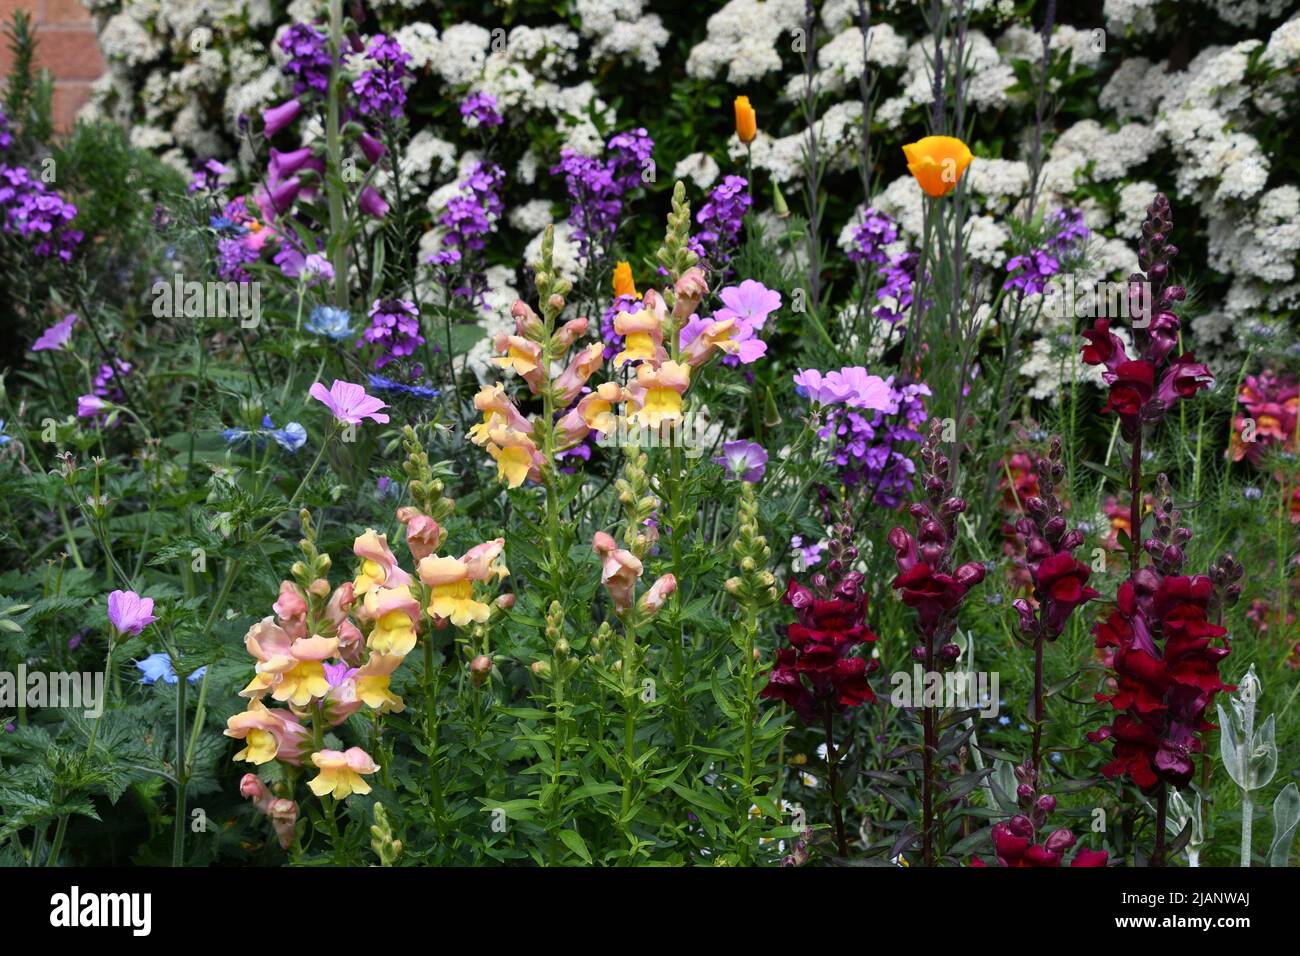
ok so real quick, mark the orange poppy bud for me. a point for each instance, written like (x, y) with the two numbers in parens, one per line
(746, 120)
(937, 163)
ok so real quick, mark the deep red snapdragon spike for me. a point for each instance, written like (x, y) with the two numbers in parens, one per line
(821, 665)
(1142, 386)
(1166, 657)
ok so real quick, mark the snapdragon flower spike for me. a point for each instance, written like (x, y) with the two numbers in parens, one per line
(282, 813)
(1014, 846)
(1060, 581)
(926, 578)
(1270, 403)
(1165, 662)
(1144, 387)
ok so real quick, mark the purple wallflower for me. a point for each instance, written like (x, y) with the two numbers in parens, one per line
(871, 446)
(479, 111)
(309, 59)
(30, 210)
(597, 186)
(1070, 230)
(381, 90)
(898, 277)
(467, 220)
(870, 237)
(394, 328)
(720, 220)
(1029, 273)
(745, 460)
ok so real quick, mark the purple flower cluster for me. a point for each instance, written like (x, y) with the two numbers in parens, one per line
(106, 380)
(6, 138)
(720, 220)
(1029, 273)
(394, 328)
(37, 214)
(870, 237)
(871, 446)
(207, 176)
(381, 89)
(309, 60)
(467, 220)
(596, 187)
(479, 111)
(898, 280)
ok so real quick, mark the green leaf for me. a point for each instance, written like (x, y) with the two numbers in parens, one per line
(573, 840)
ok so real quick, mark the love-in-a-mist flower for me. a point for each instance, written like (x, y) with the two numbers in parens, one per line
(349, 403)
(656, 395)
(57, 335)
(937, 163)
(746, 120)
(159, 667)
(268, 734)
(744, 460)
(341, 772)
(129, 613)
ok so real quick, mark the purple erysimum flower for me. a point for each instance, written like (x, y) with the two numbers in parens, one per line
(870, 237)
(743, 459)
(349, 403)
(207, 176)
(382, 88)
(394, 329)
(277, 118)
(129, 613)
(309, 60)
(480, 110)
(57, 335)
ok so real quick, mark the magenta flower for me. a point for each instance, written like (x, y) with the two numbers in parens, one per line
(57, 335)
(278, 117)
(88, 406)
(742, 459)
(372, 148)
(749, 304)
(129, 613)
(349, 403)
(372, 204)
(284, 165)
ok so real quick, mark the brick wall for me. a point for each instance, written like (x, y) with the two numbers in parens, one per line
(66, 45)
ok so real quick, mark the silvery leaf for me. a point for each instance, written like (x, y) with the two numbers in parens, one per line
(1286, 814)
(1230, 745)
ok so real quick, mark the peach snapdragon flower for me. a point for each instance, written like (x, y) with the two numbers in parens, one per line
(340, 772)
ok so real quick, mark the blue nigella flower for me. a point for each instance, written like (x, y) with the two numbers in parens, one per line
(381, 384)
(225, 226)
(330, 322)
(4, 439)
(234, 436)
(291, 437)
(159, 666)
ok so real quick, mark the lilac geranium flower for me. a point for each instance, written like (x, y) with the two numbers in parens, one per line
(745, 460)
(749, 303)
(57, 335)
(349, 403)
(88, 406)
(850, 386)
(129, 613)
(159, 666)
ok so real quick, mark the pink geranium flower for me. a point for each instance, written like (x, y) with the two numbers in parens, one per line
(129, 613)
(57, 335)
(749, 304)
(349, 403)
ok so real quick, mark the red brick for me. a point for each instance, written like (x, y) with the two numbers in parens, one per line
(69, 98)
(69, 53)
(7, 8)
(63, 11)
